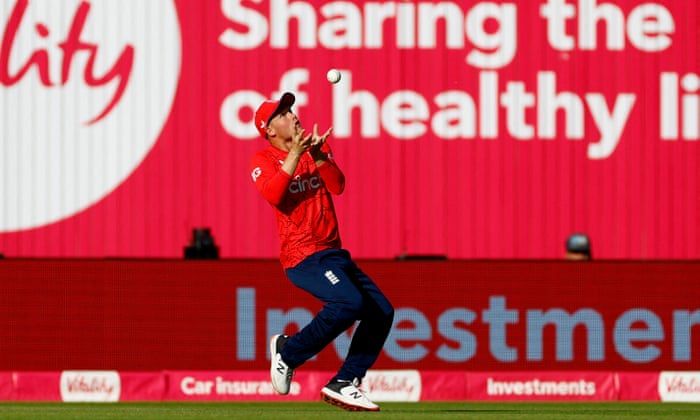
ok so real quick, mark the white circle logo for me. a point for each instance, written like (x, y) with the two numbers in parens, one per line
(85, 89)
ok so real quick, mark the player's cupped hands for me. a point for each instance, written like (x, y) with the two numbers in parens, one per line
(311, 142)
(318, 140)
(300, 143)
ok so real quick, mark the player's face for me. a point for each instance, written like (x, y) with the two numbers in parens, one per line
(284, 125)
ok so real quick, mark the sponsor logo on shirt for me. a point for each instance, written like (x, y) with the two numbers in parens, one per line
(300, 185)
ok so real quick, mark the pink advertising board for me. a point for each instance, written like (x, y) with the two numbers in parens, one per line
(382, 386)
(37, 386)
(241, 386)
(542, 386)
(483, 129)
(6, 386)
(638, 386)
(143, 386)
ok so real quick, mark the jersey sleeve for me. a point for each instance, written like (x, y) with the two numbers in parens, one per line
(332, 176)
(271, 181)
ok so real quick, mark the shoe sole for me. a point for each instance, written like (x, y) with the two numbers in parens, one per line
(345, 406)
(273, 351)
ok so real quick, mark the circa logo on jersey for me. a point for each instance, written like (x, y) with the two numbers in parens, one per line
(304, 184)
(85, 110)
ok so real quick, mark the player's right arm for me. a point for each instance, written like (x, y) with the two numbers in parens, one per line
(271, 180)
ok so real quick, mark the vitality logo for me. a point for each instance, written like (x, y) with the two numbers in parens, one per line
(85, 88)
(72, 45)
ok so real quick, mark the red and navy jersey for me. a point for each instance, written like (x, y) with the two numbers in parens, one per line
(303, 205)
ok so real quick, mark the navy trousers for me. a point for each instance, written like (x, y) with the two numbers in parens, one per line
(348, 295)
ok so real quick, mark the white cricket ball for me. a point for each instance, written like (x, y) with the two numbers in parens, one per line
(333, 76)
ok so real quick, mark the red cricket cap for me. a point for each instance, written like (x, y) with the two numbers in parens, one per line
(269, 109)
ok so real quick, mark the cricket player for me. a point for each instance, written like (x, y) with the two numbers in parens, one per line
(296, 174)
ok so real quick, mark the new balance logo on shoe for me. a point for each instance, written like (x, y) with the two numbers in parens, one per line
(280, 374)
(330, 275)
(346, 395)
(356, 394)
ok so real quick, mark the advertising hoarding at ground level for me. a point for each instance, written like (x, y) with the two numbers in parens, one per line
(382, 385)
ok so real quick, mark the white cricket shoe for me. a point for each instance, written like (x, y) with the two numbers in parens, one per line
(347, 395)
(280, 373)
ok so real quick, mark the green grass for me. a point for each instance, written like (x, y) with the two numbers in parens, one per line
(319, 410)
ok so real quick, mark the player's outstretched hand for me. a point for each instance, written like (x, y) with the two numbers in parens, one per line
(318, 140)
(300, 143)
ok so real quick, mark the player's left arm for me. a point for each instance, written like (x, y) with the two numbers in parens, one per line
(321, 153)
